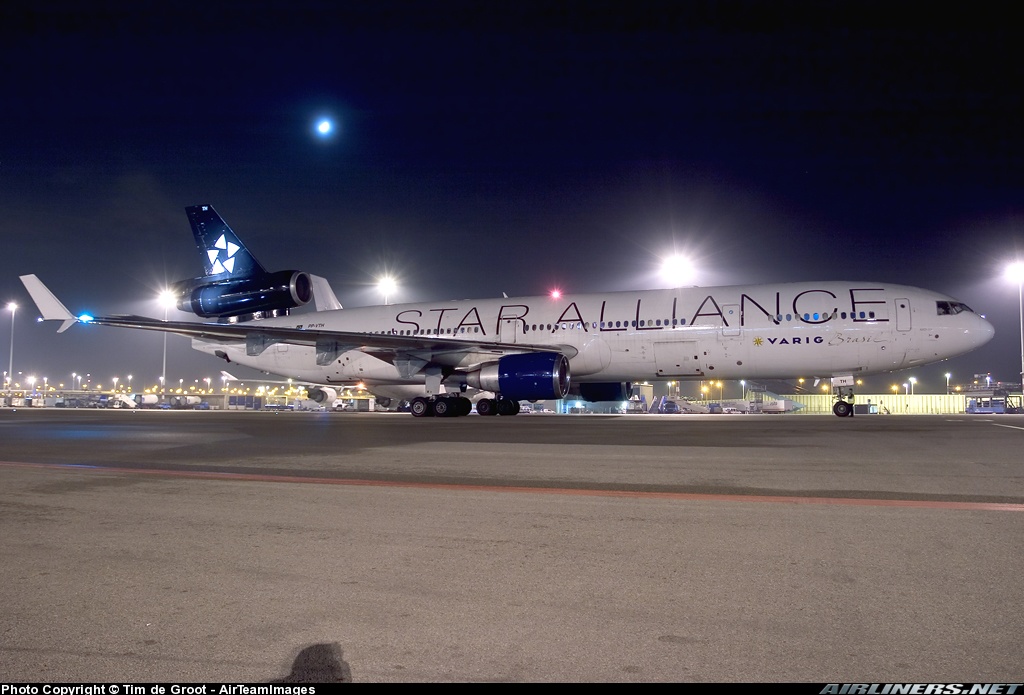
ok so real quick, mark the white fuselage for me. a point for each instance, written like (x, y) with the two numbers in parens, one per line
(734, 332)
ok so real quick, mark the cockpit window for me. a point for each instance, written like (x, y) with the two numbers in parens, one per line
(948, 308)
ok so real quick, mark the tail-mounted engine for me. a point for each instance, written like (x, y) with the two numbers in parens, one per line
(272, 293)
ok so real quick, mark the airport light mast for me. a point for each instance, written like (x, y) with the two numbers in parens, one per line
(1015, 273)
(10, 364)
(166, 298)
(387, 286)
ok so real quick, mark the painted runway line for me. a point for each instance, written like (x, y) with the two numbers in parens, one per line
(577, 492)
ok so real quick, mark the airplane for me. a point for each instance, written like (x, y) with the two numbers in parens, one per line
(545, 347)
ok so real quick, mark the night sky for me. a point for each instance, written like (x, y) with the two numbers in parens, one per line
(484, 148)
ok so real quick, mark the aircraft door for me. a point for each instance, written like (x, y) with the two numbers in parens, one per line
(902, 314)
(731, 314)
(509, 330)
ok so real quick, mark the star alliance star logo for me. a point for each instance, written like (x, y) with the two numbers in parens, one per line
(222, 256)
(758, 341)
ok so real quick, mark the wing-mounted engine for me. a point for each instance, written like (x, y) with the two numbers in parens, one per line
(324, 395)
(270, 294)
(530, 376)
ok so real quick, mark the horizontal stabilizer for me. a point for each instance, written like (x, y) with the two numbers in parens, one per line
(323, 295)
(49, 306)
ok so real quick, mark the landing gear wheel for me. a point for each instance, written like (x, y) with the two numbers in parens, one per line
(443, 407)
(420, 407)
(842, 409)
(507, 407)
(463, 406)
(486, 406)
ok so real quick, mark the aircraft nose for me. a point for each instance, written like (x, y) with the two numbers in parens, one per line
(981, 333)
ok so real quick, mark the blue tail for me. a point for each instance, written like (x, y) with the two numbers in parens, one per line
(224, 256)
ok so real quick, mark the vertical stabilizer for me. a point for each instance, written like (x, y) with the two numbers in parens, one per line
(224, 256)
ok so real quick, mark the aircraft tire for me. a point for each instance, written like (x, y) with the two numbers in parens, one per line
(443, 407)
(486, 407)
(507, 407)
(842, 409)
(420, 407)
(465, 406)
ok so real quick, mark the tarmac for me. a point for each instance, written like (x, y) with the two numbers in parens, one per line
(165, 546)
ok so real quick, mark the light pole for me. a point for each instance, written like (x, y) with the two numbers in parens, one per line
(677, 270)
(10, 364)
(387, 286)
(1015, 273)
(912, 380)
(166, 298)
(906, 389)
(947, 382)
(129, 383)
(115, 384)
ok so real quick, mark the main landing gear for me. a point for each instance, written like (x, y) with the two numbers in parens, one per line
(455, 406)
(497, 406)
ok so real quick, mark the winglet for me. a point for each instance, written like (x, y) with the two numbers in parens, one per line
(49, 306)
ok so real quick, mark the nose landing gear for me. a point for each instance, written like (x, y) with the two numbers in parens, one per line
(842, 391)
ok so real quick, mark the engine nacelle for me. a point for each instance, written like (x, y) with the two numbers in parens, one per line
(530, 376)
(605, 391)
(322, 394)
(283, 290)
(146, 399)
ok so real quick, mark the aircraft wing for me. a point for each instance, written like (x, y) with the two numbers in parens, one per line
(258, 335)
